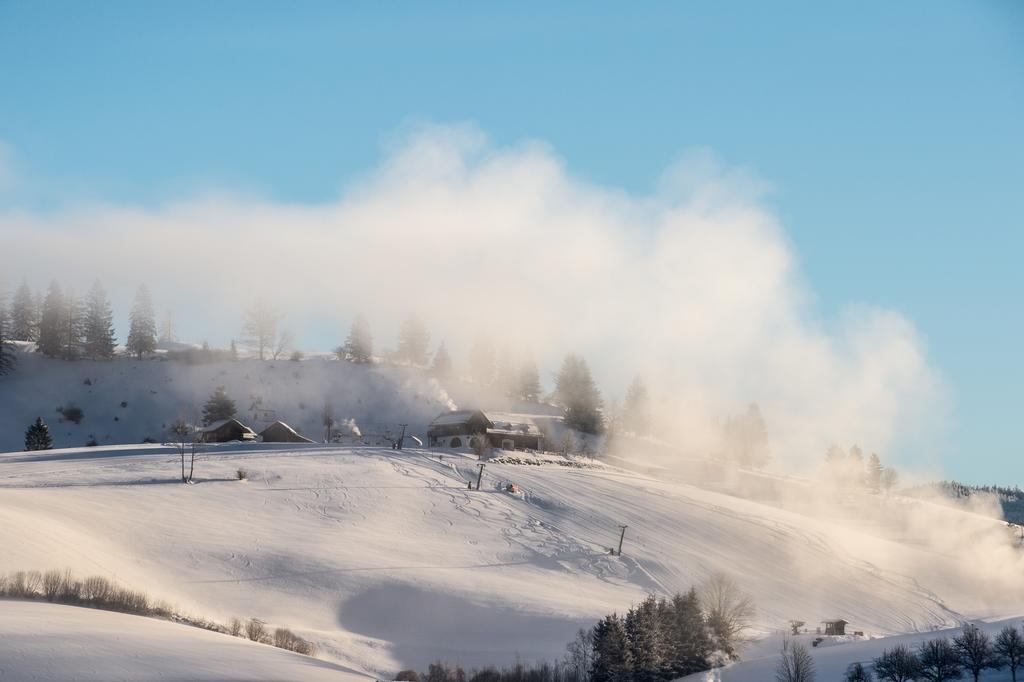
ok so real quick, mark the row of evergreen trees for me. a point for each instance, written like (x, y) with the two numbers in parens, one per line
(71, 327)
(656, 640)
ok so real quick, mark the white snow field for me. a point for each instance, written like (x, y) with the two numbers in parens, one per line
(386, 560)
(831, 662)
(54, 642)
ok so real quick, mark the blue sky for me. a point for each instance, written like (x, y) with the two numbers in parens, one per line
(892, 133)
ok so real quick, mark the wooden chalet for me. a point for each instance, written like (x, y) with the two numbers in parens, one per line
(225, 431)
(464, 428)
(835, 627)
(279, 432)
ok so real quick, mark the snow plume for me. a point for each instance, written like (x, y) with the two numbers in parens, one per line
(695, 287)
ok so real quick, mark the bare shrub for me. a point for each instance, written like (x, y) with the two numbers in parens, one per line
(96, 589)
(407, 676)
(235, 628)
(286, 639)
(242, 474)
(73, 413)
(256, 630)
(728, 611)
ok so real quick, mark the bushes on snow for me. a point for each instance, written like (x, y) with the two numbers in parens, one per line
(61, 587)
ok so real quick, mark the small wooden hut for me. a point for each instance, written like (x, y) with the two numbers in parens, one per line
(279, 432)
(225, 431)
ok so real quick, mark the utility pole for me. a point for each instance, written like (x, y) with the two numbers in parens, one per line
(480, 475)
(622, 534)
(402, 437)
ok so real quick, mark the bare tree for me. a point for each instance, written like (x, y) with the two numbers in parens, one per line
(728, 610)
(260, 327)
(975, 650)
(283, 345)
(1010, 649)
(795, 664)
(939, 661)
(180, 429)
(898, 664)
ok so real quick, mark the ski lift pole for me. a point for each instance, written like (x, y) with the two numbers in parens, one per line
(622, 535)
(480, 475)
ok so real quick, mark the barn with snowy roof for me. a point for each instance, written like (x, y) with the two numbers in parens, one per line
(279, 432)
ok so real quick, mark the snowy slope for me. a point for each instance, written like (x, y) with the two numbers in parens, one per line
(156, 392)
(831, 662)
(386, 560)
(53, 642)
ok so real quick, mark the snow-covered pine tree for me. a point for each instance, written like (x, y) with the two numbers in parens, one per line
(37, 437)
(636, 409)
(99, 324)
(611, 660)
(687, 643)
(529, 388)
(142, 329)
(577, 393)
(51, 323)
(218, 407)
(413, 339)
(646, 641)
(359, 344)
(442, 365)
(24, 316)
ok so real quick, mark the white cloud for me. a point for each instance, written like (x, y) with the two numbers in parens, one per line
(697, 286)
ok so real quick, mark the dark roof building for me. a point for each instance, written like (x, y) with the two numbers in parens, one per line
(226, 431)
(279, 432)
(462, 428)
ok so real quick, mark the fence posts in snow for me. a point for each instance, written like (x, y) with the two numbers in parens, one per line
(480, 475)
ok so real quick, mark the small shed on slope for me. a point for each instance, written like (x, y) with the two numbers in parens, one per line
(279, 432)
(226, 431)
(836, 627)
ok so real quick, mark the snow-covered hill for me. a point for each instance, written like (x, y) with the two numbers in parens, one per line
(127, 401)
(386, 560)
(54, 642)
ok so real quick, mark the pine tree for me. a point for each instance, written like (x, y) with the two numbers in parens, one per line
(218, 407)
(506, 372)
(99, 325)
(481, 361)
(646, 641)
(234, 351)
(577, 393)
(142, 330)
(51, 323)
(24, 319)
(73, 328)
(412, 342)
(687, 643)
(636, 408)
(611, 660)
(529, 381)
(442, 365)
(359, 344)
(7, 357)
(37, 437)
(873, 474)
